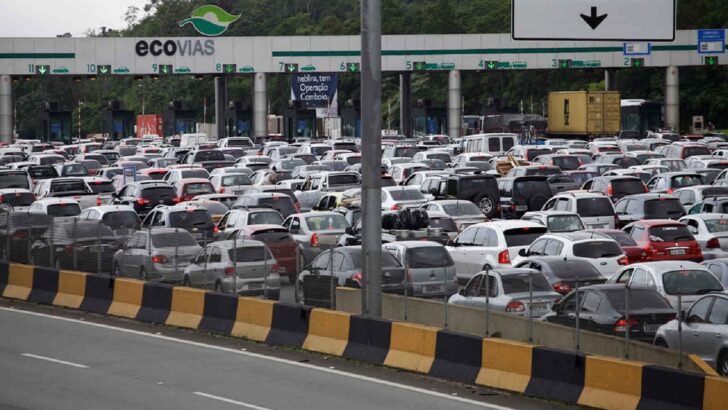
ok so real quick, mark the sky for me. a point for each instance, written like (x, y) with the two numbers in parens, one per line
(48, 18)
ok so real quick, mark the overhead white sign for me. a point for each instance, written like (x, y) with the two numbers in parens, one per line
(593, 20)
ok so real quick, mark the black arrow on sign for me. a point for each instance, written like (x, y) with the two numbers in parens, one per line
(594, 21)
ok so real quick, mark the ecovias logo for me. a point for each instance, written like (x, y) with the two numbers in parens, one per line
(210, 20)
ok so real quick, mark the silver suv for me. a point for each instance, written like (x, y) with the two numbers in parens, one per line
(159, 254)
(596, 210)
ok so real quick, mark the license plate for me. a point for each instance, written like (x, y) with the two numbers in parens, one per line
(539, 307)
(650, 327)
(254, 286)
(677, 251)
(432, 289)
(599, 226)
(95, 249)
(521, 207)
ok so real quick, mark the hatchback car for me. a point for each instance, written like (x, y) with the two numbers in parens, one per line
(648, 206)
(279, 242)
(122, 219)
(563, 274)
(556, 221)
(145, 195)
(400, 197)
(665, 240)
(195, 220)
(464, 213)
(630, 248)
(282, 203)
(711, 232)
(87, 246)
(595, 210)
(616, 188)
(429, 270)
(158, 254)
(315, 232)
(668, 182)
(17, 198)
(237, 218)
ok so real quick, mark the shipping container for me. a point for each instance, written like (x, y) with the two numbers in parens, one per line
(584, 113)
(148, 124)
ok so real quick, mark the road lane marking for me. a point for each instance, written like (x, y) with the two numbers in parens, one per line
(269, 358)
(50, 359)
(231, 401)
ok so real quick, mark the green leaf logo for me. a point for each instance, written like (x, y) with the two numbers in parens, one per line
(210, 20)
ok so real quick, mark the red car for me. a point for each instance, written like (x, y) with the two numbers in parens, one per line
(281, 245)
(664, 240)
(630, 248)
(187, 189)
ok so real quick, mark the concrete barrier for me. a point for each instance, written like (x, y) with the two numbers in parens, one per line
(715, 395)
(71, 289)
(218, 315)
(506, 365)
(156, 303)
(127, 298)
(188, 306)
(98, 294)
(289, 326)
(253, 319)
(369, 339)
(611, 384)
(412, 347)
(20, 282)
(328, 332)
(457, 357)
(45, 286)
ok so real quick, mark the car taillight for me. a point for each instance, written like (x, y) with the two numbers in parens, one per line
(20, 235)
(176, 200)
(142, 201)
(562, 288)
(513, 206)
(215, 230)
(221, 190)
(395, 207)
(646, 189)
(713, 243)
(515, 307)
(229, 271)
(504, 258)
(298, 206)
(98, 201)
(669, 191)
(314, 240)
(610, 191)
(274, 268)
(159, 259)
(623, 260)
(621, 325)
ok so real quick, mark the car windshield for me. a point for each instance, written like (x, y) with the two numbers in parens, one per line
(682, 181)
(690, 282)
(582, 177)
(716, 225)
(191, 218)
(624, 187)
(334, 222)
(75, 170)
(236, 179)
(639, 299)
(17, 198)
(446, 224)
(213, 207)
(101, 187)
(406, 195)
(518, 283)
(198, 188)
(64, 209)
(664, 208)
(424, 257)
(672, 233)
(522, 236)
(249, 254)
(597, 249)
(545, 171)
(88, 230)
(290, 164)
(462, 209)
(122, 219)
(565, 223)
(265, 218)
(172, 239)
(194, 173)
(593, 207)
(281, 203)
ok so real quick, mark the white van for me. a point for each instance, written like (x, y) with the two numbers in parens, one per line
(493, 144)
(191, 140)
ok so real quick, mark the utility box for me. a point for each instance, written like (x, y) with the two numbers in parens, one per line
(584, 113)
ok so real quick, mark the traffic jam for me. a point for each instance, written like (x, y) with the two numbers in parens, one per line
(561, 231)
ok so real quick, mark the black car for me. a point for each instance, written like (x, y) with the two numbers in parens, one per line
(561, 183)
(281, 202)
(522, 194)
(18, 231)
(83, 245)
(648, 206)
(564, 274)
(478, 188)
(602, 309)
(616, 187)
(15, 179)
(144, 196)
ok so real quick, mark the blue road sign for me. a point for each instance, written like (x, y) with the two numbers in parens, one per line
(711, 41)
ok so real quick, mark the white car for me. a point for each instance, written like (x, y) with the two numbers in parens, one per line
(401, 172)
(237, 218)
(230, 183)
(491, 245)
(711, 232)
(690, 196)
(399, 197)
(56, 207)
(20, 199)
(603, 253)
(595, 209)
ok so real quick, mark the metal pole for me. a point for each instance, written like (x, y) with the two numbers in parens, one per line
(679, 331)
(405, 106)
(235, 263)
(30, 237)
(7, 118)
(371, 119)
(577, 308)
(626, 320)
(52, 246)
(220, 105)
(454, 101)
(176, 254)
(75, 237)
(98, 249)
(672, 97)
(267, 273)
(487, 303)
(7, 237)
(260, 112)
(295, 281)
(331, 281)
(444, 299)
(530, 306)
(406, 290)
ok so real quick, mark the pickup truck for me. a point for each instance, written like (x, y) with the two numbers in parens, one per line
(318, 185)
(74, 188)
(208, 158)
(404, 225)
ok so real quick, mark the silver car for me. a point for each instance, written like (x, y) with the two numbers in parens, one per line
(508, 292)
(704, 332)
(159, 254)
(430, 271)
(711, 232)
(244, 267)
(315, 232)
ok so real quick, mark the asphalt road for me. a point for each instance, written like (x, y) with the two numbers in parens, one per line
(53, 359)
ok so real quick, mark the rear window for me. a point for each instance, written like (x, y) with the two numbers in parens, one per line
(282, 204)
(566, 163)
(101, 187)
(582, 177)
(156, 193)
(428, 257)
(209, 156)
(682, 181)
(565, 223)
(327, 223)
(608, 148)
(536, 152)
(172, 239)
(518, 283)
(70, 209)
(529, 188)
(265, 218)
(238, 143)
(75, 170)
(321, 150)
(622, 238)
(522, 236)
(690, 282)
(344, 179)
(446, 224)
(639, 299)
(198, 188)
(235, 179)
(597, 249)
(508, 143)
(68, 186)
(405, 152)
(17, 199)
(593, 207)
(189, 219)
(464, 208)
(350, 146)
(716, 225)
(624, 187)
(676, 233)
(442, 157)
(125, 219)
(249, 254)
(546, 171)
(664, 208)
(271, 235)
(388, 261)
(691, 151)
(42, 172)
(194, 173)
(406, 195)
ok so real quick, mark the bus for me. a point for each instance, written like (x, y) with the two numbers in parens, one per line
(641, 115)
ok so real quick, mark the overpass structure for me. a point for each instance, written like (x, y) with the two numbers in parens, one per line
(405, 54)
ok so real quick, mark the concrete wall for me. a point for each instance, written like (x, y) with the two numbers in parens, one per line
(472, 321)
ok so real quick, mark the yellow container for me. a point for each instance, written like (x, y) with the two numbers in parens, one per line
(584, 113)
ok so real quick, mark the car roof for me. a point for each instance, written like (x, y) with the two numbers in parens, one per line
(509, 224)
(657, 222)
(671, 265)
(110, 208)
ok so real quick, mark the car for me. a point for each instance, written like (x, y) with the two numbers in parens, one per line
(464, 213)
(237, 218)
(18, 231)
(711, 232)
(18, 199)
(315, 232)
(616, 188)
(604, 254)
(144, 196)
(561, 183)
(643, 175)
(522, 194)
(602, 310)
(401, 172)
(704, 332)
(595, 209)
(121, 219)
(582, 176)
(719, 268)
(57, 208)
(439, 220)
(188, 188)
(687, 279)
(674, 164)
(562, 273)
(598, 168)
(622, 160)
(400, 197)
(668, 182)
(174, 175)
(282, 203)
(195, 220)
(665, 240)
(72, 170)
(685, 150)
(715, 204)
(508, 292)
(480, 189)
(630, 248)
(691, 195)
(157, 254)
(491, 245)
(647, 206)
(429, 269)
(246, 268)
(556, 221)
(542, 170)
(565, 162)
(216, 208)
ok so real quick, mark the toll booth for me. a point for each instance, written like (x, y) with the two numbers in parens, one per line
(351, 121)
(299, 122)
(55, 124)
(178, 120)
(428, 120)
(238, 120)
(117, 122)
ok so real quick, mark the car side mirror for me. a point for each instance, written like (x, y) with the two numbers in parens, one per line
(556, 307)
(349, 230)
(461, 292)
(193, 259)
(523, 253)
(434, 191)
